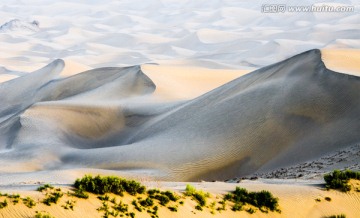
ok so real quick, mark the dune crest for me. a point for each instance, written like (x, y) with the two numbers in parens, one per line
(280, 115)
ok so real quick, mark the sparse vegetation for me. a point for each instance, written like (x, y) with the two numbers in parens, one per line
(337, 216)
(3, 204)
(45, 187)
(340, 179)
(52, 197)
(327, 198)
(263, 200)
(79, 193)
(109, 184)
(43, 215)
(69, 205)
(197, 195)
(30, 203)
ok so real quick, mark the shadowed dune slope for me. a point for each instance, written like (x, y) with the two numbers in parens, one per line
(277, 116)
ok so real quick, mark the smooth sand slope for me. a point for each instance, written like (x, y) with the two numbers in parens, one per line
(278, 116)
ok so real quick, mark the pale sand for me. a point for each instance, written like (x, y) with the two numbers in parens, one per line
(181, 83)
(342, 60)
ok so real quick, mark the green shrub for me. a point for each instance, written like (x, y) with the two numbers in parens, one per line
(79, 193)
(337, 216)
(109, 184)
(339, 179)
(121, 207)
(29, 202)
(173, 209)
(263, 200)
(43, 215)
(45, 187)
(134, 203)
(3, 204)
(198, 207)
(148, 202)
(69, 205)
(52, 198)
(197, 195)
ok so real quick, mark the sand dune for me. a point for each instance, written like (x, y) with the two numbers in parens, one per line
(211, 34)
(115, 118)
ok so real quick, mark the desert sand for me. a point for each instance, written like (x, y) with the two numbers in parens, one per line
(180, 92)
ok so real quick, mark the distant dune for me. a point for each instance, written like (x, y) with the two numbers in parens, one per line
(278, 116)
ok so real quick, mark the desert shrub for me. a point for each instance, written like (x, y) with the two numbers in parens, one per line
(148, 202)
(197, 195)
(337, 216)
(69, 205)
(164, 197)
(136, 206)
(189, 190)
(104, 198)
(198, 207)
(263, 200)
(15, 198)
(121, 207)
(339, 179)
(250, 210)
(43, 215)
(237, 207)
(52, 198)
(109, 184)
(29, 202)
(173, 209)
(45, 187)
(79, 193)
(132, 215)
(327, 198)
(3, 204)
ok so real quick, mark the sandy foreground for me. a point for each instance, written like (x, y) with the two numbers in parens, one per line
(296, 199)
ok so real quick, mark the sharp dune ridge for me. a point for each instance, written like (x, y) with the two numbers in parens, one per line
(278, 116)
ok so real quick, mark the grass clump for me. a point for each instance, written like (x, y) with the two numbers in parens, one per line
(69, 205)
(337, 216)
(29, 202)
(109, 184)
(3, 204)
(52, 198)
(197, 195)
(42, 215)
(340, 179)
(45, 187)
(164, 197)
(14, 198)
(79, 193)
(263, 200)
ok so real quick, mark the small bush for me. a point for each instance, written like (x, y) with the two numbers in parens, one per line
(79, 193)
(3, 204)
(197, 195)
(327, 198)
(137, 207)
(69, 205)
(52, 198)
(30, 203)
(148, 202)
(198, 207)
(43, 215)
(109, 184)
(121, 207)
(339, 179)
(45, 187)
(173, 209)
(337, 216)
(263, 200)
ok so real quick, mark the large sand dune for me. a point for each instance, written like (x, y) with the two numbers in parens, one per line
(113, 118)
